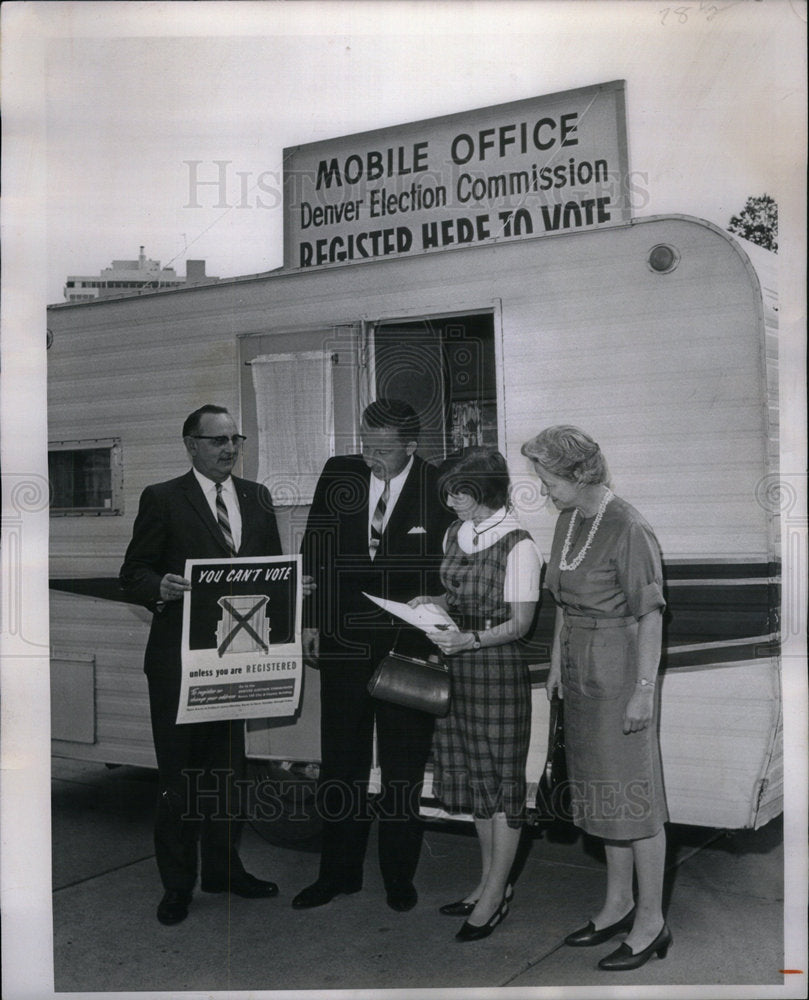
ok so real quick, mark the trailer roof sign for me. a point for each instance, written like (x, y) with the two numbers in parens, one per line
(532, 168)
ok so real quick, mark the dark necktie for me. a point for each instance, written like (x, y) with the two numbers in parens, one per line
(378, 520)
(224, 520)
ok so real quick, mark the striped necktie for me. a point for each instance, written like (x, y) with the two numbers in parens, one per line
(378, 520)
(224, 520)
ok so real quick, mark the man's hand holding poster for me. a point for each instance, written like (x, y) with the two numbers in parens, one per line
(241, 651)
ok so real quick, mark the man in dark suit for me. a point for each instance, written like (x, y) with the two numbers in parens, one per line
(376, 525)
(205, 514)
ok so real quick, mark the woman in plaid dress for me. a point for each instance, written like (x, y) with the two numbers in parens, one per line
(490, 572)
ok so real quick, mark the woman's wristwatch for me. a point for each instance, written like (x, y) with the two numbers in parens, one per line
(476, 641)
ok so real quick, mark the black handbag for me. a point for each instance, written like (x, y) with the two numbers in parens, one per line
(412, 682)
(553, 790)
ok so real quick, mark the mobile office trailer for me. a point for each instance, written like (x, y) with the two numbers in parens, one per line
(658, 337)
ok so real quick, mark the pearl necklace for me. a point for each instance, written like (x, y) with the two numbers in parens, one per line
(563, 563)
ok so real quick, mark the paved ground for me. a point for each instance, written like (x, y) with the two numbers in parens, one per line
(724, 902)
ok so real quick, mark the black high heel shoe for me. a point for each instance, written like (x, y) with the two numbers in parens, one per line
(461, 908)
(588, 935)
(474, 932)
(623, 958)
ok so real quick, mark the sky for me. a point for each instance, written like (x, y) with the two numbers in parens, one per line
(104, 104)
(133, 116)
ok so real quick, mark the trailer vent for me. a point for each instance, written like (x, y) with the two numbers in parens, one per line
(663, 258)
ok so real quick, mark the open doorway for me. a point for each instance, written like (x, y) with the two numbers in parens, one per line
(444, 366)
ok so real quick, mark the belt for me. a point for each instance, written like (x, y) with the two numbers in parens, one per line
(583, 621)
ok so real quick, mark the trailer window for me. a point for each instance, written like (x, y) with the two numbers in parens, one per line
(86, 477)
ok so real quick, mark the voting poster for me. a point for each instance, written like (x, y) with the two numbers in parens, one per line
(241, 647)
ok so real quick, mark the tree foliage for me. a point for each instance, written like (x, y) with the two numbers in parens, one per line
(758, 222)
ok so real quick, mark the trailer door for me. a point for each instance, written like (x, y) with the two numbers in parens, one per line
(327, 358)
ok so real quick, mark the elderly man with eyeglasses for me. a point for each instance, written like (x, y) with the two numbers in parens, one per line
(205, 514)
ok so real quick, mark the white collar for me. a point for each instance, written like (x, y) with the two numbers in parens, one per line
(497, 524)
(396, 483)
(208, 484)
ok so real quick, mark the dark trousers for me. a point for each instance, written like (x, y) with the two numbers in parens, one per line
(198, 799)
(404, 737)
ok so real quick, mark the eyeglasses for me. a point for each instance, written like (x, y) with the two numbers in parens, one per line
(220, 440)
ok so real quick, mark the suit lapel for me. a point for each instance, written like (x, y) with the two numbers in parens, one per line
(247, 509)
(196, 499)
(362, 517)
(354, 478)
(409, 502)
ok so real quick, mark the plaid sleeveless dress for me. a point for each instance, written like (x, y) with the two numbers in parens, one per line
(480, 748)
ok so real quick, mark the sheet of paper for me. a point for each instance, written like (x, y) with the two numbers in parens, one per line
(425, 616)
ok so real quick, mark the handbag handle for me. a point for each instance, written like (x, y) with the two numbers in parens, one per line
(438, 662)
(433, 654)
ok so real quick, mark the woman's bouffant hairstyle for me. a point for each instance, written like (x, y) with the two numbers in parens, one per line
(568, 452)
(481, 473)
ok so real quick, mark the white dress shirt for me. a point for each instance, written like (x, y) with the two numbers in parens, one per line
(375, 489)
(231, 502)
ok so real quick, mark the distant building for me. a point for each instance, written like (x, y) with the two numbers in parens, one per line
(132, 277)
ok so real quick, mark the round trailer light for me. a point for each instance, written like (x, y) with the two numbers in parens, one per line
(663, 258)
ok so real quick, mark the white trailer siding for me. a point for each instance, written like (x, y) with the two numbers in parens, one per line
(720, 742)
(114, 634)
(137, 372)
(136, 367)
(668, 371)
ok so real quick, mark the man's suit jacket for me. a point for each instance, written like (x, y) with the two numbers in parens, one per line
(175, 523)
(335, 552)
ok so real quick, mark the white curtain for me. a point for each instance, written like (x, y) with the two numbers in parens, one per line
(294, 406)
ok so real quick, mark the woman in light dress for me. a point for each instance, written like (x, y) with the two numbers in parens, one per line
(605, 576)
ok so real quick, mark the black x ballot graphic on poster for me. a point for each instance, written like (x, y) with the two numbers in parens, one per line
(242, 622)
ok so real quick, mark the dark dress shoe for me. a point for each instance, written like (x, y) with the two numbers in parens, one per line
(474, 932)
(462, 909)
(584, 937)
(402, 897)
(457, 909)
(623, 958)
(321, 892)
(173, 907)
(245, 885)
